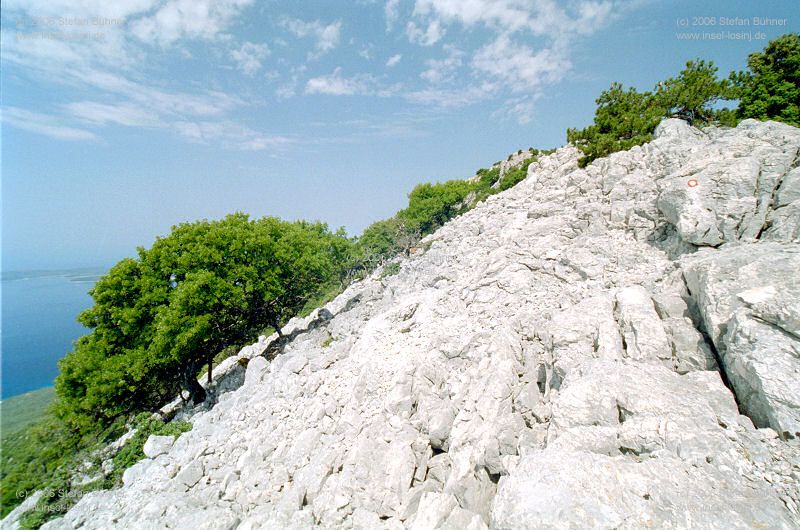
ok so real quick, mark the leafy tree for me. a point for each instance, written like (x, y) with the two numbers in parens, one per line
(693, 93)
(770, 90)
(159, 318)
(623, 119)
(626, 118)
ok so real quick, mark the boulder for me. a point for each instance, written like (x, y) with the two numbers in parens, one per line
(157, 445)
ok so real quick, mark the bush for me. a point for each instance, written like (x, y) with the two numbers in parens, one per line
(49, 458)
(626, 118)
(515, 175)
(432, 205)
(390, 269)
(146, 424)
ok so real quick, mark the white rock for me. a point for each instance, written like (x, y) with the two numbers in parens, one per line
(486, 383)
(157, 445)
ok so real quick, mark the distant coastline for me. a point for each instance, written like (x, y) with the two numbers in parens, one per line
(39, 322)
(82, 274)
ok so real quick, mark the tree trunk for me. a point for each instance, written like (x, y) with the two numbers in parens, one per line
(210, 363)
(196, 392)
(275, 324)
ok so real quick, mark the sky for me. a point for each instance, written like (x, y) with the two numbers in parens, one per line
(120, 119)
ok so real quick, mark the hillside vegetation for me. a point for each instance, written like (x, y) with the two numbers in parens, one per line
(768, 90)
(211, 286)
(19, 412)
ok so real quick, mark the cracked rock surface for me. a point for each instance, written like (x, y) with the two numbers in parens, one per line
(604, 347)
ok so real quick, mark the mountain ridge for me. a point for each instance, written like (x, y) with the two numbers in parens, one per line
(548, 359)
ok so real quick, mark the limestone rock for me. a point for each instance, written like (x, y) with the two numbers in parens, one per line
(748, 297)
(546, 360)
(157, 445)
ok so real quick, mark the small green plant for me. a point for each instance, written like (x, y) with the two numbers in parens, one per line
(327, 342)
(60, 492)
(132, 452)
(390, 269)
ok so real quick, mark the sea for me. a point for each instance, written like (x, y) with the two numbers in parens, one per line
(39, 324)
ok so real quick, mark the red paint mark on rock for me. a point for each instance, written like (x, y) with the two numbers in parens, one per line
(692, 183)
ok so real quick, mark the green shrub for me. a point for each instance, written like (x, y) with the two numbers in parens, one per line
(146, 424)
(432, 205)
(49, 458)
(770, 89)
(390, 269)
(515, 175)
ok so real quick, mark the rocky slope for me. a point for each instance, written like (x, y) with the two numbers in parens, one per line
(610, 347)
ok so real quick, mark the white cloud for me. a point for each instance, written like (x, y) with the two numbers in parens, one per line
(326, 35)
(289, 88)
(336, 85)
(540, 17)
(393, 60)
(105, 72)
(229, 134)
(508, 14)
(248, 58)
(367, 52)
(529, 47)
(121, 114)
(519, 109)
(443, 70)
(428, 37)
(43, 124)
(81, 9)
(392, 11)
(519, 66)
(209, 103)
(187, 19)
(452, 98)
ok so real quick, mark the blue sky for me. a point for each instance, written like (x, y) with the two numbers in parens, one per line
(120, 119)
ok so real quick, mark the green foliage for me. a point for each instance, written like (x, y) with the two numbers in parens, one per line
(516, 175)
(623, 119)
(159, 318)
(486, 179)
(382, 240)
(19, 412)
(770, 90)
(46, 456)
(693, 93)
(432, 205)
(49, 457)
(146, 424)
(390, 269)
(429, 207)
